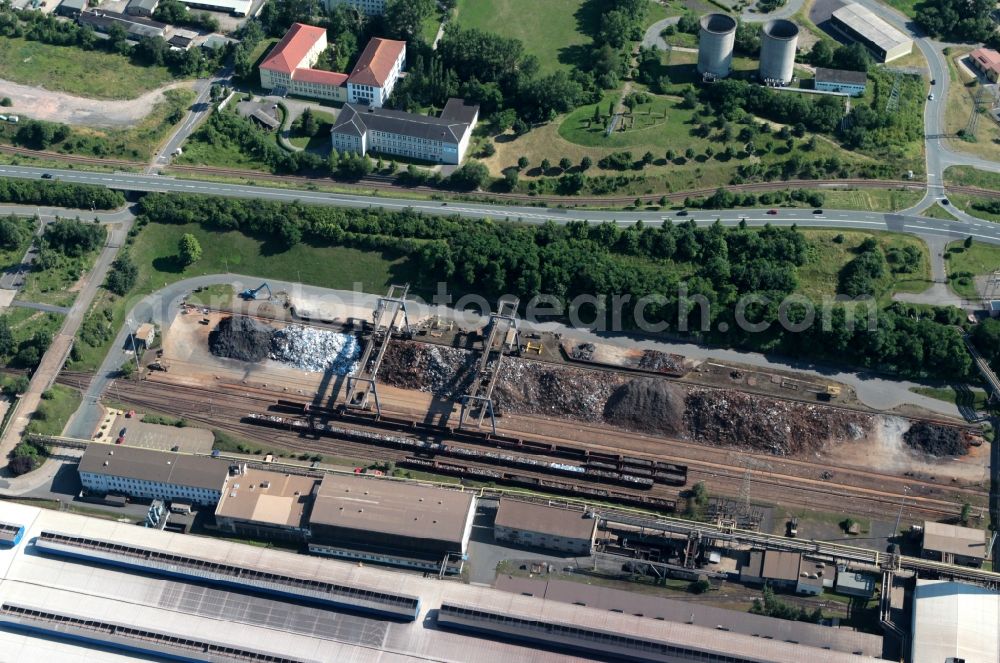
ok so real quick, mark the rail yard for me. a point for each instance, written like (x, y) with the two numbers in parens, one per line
(612, 426)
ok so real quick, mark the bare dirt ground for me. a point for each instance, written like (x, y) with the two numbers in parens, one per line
(41, 104)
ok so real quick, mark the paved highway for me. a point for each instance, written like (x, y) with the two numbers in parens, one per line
(926, 227)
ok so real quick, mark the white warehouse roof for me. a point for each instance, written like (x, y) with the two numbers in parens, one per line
(954, 620)
(872, 28)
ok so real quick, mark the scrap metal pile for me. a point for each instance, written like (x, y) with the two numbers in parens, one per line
(306, 348)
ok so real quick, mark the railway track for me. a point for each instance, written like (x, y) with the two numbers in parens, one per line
(386, 183)
(216, 408)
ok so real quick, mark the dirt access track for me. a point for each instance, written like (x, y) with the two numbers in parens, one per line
(41, 104)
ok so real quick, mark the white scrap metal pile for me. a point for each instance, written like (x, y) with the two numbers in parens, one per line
(316, 350)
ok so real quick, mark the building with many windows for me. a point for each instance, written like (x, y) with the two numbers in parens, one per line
(149, 474)
(442, 139)
(840, 80)
(288, 68)
(369, 7)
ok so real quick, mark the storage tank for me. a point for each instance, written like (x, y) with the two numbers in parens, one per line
(777, 52)
(715, 44)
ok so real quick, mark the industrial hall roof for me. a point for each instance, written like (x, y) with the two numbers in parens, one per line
(552, 520)
(392, 507)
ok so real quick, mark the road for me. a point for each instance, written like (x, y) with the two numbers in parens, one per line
(58, 351)
(199, 110)
(909, 223)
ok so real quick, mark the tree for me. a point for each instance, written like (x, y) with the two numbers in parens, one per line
(597, 115)
(697, 500)
(565, 164)
(6, 101)
(404, 18)
(522, 162)
(966, 512)
(127, 370)
(689, 153)
(308, 122)
(122, 275)
(470, 176)
(968, 242)
(188, 249)
(700, 586)
(586, 163)
(545, 165)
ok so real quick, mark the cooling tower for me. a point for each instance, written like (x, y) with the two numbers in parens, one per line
(777, 51)
(715, 44)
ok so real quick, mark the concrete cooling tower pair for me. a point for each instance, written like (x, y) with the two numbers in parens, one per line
(777, 48)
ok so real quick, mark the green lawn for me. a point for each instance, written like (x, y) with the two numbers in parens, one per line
(979, 259)
(12, 257)
(154, 253)
(550, 30)
(77, 71)
(876, 200)
(55, 409)
(318, 142)
(964, 202)
(819, 277)
(223, 154)
(935, 211)
(908, 7)
(977, 398)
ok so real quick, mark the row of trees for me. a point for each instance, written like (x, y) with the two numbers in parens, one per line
(14, 232)
(722, 265)
(958, 20)
(59, 194)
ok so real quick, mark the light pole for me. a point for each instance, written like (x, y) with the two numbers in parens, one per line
(899, 516)
(135, 354)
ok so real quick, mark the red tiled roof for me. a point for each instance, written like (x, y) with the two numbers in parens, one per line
(376, 62)
(987, 58)
(286, 56)
(319, 76)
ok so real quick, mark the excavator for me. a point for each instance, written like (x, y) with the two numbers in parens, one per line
(255, 293)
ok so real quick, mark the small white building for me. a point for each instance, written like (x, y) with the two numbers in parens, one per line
(841, 80)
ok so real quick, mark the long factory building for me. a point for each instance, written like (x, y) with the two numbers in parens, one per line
(77, 588)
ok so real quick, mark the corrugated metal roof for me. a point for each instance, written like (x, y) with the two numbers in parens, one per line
(952, 621)
(690, 612)
(863, 21)
(954, 539)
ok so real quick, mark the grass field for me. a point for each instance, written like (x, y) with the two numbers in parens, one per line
(318, 142)
(964, 202)
(819, 277)
(154, 253)
(977, 398)
(56, 285)
(12, 257)
(935, 211)
(908, 7)
(958, 110)
(24, 322)
(53, 412)
(979, 259)
(969, 176)
(77, 71)
(136, 143)
(552, 31)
